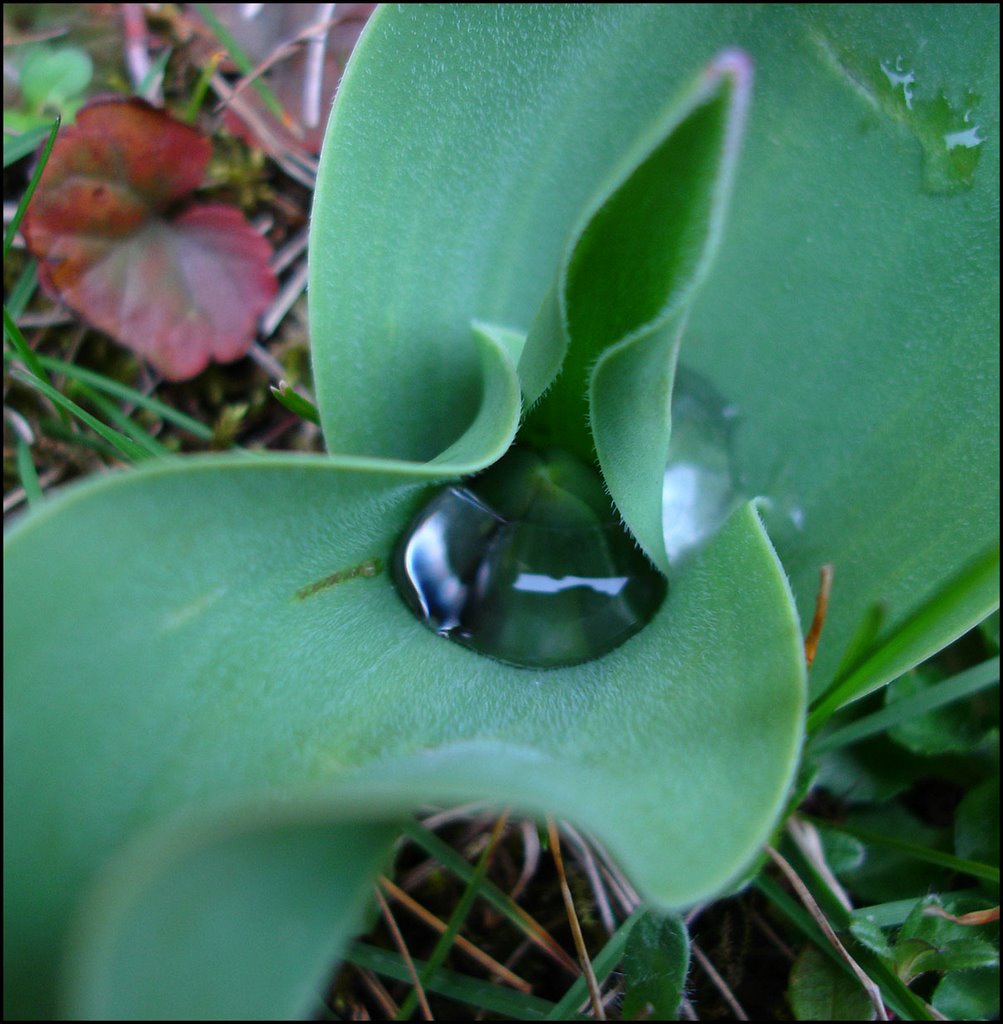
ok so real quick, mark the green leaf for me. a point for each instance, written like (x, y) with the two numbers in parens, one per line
(622, 293)
(267, 897)
(905, 709)
(52, 77)
(930, 942)
(845, 349)
(655, 964)
(977, 824)
(969, 995)
(259, 649)
(955, 728)
(819, 990)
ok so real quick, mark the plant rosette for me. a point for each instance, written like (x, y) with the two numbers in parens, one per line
(219, 708)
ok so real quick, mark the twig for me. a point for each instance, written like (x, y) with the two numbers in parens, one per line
(576, 929)
(299, 166)
(808, 841)
(291, 251)
(313, 75)
(485, 960)
(404, 952)
(820, 919)
(591, 869)
(137, 58)
(290, 291)
(718, 982)
(267, 362)
(379, 993)
(530, 857)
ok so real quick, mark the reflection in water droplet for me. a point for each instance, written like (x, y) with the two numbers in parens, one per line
(967, 139)
(951, 142)
(528, 563)
(911, 90)
(699, 489)
(897, 77)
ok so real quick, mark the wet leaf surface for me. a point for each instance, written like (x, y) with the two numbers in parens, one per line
(179, 288)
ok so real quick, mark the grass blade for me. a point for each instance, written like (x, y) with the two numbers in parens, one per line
(124, 445)
(114, 414)
(13, 334)
(456, 919)
(986, 872)
(964, 684)
(501, 901)
(602, 964)
(453, 985)
(23, 290)
(155, 73)
(122, 391)
(17, 146)
(886, 663)
(8, 237)
(28, 474)
(243, 62)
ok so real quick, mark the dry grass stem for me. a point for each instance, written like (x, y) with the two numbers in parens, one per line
(806, 898)
(489, 963)
(404, 952)
(576, 930)
(591, 869)
(821, 608)
(379, 993)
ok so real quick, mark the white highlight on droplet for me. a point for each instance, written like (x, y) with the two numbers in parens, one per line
(896, 77)
(537, 583)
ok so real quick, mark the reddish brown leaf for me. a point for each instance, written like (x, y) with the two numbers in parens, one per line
(179, 289)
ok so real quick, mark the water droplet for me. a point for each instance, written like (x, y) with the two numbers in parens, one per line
(528, 563)
(897, 77)
(699, 490)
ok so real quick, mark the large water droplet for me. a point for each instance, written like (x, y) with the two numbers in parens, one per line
(699, 490)
(528, 563)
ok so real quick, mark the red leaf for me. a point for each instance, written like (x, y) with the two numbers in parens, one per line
(178, 289)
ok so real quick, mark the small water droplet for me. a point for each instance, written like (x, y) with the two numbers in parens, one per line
(528, 563)
(897, 77)
(699, 490)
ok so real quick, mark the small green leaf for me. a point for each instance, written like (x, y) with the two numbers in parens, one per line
(977, 824)
(930, 942)
(53, 76)
(871, 935)
(969, 995)
(955, 728)
(295, 402)
(818, 989)
(655, 964)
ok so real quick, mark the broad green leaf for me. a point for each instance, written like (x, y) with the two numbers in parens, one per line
(850, 318)
(268, 897)
(260, 650)
(969, 995)
(655, 964)
(819, 989)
